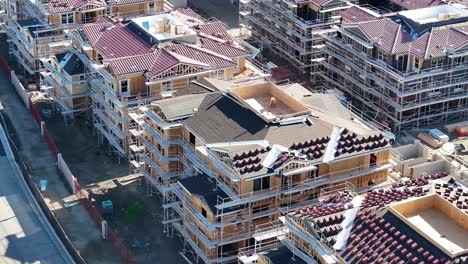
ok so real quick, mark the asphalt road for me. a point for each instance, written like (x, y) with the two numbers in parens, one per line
(25, 234)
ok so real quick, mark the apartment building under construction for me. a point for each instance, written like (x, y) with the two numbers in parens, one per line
(393, 224)
(292, 29)
(133, 62)
(39, 44)
(228, 160)
(408, 69)
(35, 29)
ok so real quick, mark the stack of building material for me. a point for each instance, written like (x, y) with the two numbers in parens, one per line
(436, 133)
(452, 127)
(462, 131)
(428, 139)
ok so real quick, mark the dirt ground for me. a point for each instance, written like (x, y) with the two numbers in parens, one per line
(136, 217)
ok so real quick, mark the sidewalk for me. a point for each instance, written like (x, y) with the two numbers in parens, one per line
(40, 161)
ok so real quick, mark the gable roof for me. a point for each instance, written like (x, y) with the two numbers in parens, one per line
(224, 48)
(416, 4)
(394, 38)
(216, 29)
(202, 55)
(66, 6)
(357, 14)
(115, 40)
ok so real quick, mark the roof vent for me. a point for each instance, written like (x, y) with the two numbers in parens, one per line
(195, 110)
(109, 26)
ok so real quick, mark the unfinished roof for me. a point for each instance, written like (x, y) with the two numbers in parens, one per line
(445, 226)
(269, 101)
(228, 123)
(221, 119)
(216, 29)
(201, 186)
(164, 27)
(225, 48)
(181, 106)
(194, 87)
(283, 255)
(71, 63)
(215, 84)
(202, 55)
(381, 225)
(327, 103)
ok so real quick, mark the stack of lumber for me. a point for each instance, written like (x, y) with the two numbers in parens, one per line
(430, 140)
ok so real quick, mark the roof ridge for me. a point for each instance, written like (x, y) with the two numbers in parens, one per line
(208, 51)
(428, 44)
(396, 38)
(459, 31)
(383, 31)
(227, 44)
(130, 56)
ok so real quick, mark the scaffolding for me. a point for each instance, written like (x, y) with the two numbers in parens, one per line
(253, 207)
(236, 215)
(401, 98)
(279, 25)
(36, 39)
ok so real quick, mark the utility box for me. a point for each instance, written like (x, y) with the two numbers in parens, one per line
(107, 207)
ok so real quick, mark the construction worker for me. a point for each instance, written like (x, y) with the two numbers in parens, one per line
(272, 102)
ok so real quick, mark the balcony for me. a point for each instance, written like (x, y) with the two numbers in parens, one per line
(20, 47)
(287, 14)
(29, 68)
(199, 252)
(111, 139)
(164, 142)
(395, 73)
(163, 189)
(7, 8)
(66, 110)
(108, 91)
(159, 171)
(310, 239)
(13, 27)
(158, 153)
(284, 38)
(265, 14)
(310, 184)
(117, 130)
(99, 99)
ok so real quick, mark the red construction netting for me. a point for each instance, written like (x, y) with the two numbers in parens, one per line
(5, 67)
(37, 117)
(125, 254)
(48, 139)
(118, 246)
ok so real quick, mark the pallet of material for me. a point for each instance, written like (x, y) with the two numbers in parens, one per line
(430, 140)
(452, 127)
(462, 131)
